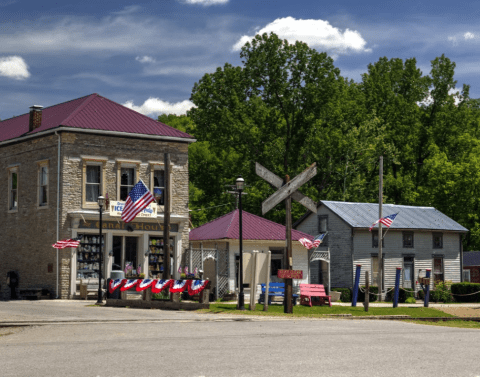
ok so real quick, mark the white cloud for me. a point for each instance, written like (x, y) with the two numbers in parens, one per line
(206, 3)
(316, 33)
(14, 67)
(155, 106)
(468, 35)
(145, 59)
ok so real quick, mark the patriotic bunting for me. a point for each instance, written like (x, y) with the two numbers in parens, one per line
(114, 284)
(197, 286)
(160, 285)
(144, 284)
(130, 283)
(180, 286)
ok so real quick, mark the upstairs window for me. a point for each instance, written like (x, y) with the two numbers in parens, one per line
(127, 182)
(375, 239)
(408, 239)
(437, 240)
(13, 189)
(93, 183)
(323, 228)
(43, 183)
(159, 186)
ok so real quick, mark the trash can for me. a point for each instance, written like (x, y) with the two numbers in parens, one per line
(115, 274)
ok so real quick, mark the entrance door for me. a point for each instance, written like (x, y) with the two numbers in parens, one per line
(407, 272)
(125, 250)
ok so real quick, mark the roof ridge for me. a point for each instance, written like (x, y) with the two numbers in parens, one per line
(385, 204)
(75, 112)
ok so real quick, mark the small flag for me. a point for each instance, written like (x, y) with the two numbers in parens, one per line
(316, 241)
(138, 199)
(387, 221)
(186, 270)
(66, 243)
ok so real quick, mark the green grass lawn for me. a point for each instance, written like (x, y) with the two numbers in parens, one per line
(460, 324)
(323, 311)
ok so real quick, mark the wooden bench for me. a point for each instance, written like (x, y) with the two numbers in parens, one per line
(89, 286)
(307, 291)
(274, 289)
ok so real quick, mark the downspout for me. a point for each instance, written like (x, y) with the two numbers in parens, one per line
(58, 204)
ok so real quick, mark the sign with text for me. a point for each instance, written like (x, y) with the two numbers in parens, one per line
(116, 209)
(120, 225)
(290, 274)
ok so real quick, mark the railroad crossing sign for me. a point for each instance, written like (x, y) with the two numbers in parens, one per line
(286, 191)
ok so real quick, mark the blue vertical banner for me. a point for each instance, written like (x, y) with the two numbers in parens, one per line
(357, 283)
(397, 287)
(427, 290)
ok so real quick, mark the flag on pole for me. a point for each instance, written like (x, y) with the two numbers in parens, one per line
(387, 221)
(62, 244)
(138, 199)
(316, 241)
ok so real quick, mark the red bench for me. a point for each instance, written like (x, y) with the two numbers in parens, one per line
(307, 291)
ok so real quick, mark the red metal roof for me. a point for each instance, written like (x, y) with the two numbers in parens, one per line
(90, 112)
(254, 228)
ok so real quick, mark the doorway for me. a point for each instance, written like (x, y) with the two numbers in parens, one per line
(125, 250)
(408, 272)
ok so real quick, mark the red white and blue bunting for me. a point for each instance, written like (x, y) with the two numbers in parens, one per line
(144, 284)
(160, 285)
(197, 286)
(192, 286)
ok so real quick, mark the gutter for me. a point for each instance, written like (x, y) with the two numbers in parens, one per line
(58, 204)
(98, 132)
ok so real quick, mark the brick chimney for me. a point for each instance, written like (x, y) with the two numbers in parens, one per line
(35, 120)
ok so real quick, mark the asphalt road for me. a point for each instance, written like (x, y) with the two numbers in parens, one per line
(107, 342)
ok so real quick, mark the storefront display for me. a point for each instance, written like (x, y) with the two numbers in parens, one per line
(156, 256)
(88, 256)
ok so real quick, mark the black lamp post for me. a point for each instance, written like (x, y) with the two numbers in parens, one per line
(101, 202)
(240, 183)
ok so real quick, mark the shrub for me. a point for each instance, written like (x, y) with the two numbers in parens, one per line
(403, 294)
(421, 294)
(441, 293)
(346, 294)
(410, 300)
(164, 295)
(466, 289)
(372, 297)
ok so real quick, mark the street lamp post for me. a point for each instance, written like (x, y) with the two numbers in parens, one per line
(240, 183)
(101, 202)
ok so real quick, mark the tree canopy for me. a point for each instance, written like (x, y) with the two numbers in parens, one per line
(288, 106)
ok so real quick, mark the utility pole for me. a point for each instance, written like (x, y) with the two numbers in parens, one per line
(166, 219)
(380, 231)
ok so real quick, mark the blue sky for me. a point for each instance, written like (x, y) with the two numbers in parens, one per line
(148, 54)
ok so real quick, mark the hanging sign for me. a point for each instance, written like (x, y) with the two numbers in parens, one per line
(290, 274)
(116, 209)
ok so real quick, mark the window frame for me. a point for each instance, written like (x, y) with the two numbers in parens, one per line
(319, 223)
(404, 234)
(158, 165)
(469, 275)
(375, 246)
(13, 170)
(437, 234)
(40, 166)
(126, 164)
(442, 258)
(92, 161)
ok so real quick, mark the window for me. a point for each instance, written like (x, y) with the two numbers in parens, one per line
(408, 271)
(466, 276)
(42, 183)
(323, 228)
(13, 189)
(437, 240)
(93, 185)
(127, 182)
(438, 269)
(407, 239)
(375, 239)
(159, 186)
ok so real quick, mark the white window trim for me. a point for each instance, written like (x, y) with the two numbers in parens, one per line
(92, 161)
(155, 165)
(40, 165)
(127, 164)
(469, 276)
(13, 169)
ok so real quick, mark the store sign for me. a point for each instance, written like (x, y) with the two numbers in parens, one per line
(116, 209)
(120, 225)
(290, 274)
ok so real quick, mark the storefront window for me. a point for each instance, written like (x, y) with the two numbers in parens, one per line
(156, 256)
(88, 256)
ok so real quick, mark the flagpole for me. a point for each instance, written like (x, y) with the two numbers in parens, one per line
(380, 231)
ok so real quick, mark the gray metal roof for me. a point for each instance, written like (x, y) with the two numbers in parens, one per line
(471, 258)
(363, 215)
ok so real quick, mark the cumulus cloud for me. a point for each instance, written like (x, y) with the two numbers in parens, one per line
(316, 33)
(145, 59)
(14, 67)
(206, 3)
(155, 106)
(468, 35)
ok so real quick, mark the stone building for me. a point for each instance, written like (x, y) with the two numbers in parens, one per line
(56, 162)
(420, 238)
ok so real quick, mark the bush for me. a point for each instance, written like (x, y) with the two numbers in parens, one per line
(441, 293)
(164, 295)
(371, 297)
(346, 294)
(403, 294)
(466, 289)
(421, 294)
(410, 300)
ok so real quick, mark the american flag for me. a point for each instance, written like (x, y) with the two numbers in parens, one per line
(387, 221)
(138, 199)
(316, 241)
(62, 244)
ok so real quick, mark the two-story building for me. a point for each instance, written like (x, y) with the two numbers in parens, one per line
(420, 238)
(56, 162)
